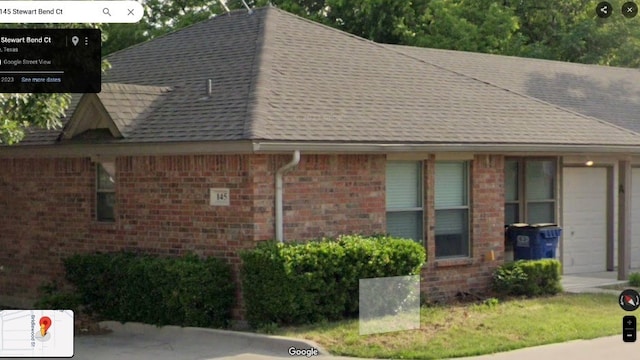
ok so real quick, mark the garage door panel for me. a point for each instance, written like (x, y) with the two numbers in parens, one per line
(584, 220)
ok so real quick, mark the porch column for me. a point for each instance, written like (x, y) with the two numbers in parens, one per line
(624, 218)
(612, 188)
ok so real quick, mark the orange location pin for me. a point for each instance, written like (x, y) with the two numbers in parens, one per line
(45, 323)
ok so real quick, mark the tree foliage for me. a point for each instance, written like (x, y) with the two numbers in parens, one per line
(569, 30)
(479, 26)
(21, 111)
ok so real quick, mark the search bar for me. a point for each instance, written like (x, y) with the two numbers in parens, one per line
(59, 12)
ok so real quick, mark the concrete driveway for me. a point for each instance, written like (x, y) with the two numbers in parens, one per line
(134, 341)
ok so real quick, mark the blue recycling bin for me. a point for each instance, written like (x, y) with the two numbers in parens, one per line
(533, 242)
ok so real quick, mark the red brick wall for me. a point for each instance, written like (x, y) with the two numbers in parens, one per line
(443, 279)
(324, 195)
(162, 207)
(163, 204)
(44, 210)
(328, 195)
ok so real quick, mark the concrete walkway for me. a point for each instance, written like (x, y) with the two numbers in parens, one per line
(591, 282)
(611, 347)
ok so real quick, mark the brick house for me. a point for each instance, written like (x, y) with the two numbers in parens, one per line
(249, 127)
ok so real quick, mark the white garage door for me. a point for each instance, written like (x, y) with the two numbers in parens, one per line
(635, 216)
(584, 215)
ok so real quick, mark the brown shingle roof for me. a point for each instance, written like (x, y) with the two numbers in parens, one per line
(607, 93)
(130, 105)
(223, 49)
(278, 77)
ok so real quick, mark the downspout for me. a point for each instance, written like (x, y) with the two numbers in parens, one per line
(279, 174)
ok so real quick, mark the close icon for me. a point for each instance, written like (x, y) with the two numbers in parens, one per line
(629, 300)
(603, 9)
(629, 9)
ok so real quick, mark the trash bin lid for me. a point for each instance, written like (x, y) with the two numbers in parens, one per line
(518, 225)
(539, 225)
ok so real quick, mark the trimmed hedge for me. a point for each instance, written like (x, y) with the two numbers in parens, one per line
(186, 291)
(528, 278)
(303, 283)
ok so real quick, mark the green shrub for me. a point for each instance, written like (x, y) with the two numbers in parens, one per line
(315, 281)
(509, 279)
(125, 287)
(52, 297)
(528, 277)
(634, 279)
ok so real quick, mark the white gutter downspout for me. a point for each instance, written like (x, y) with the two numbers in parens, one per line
(279, 174)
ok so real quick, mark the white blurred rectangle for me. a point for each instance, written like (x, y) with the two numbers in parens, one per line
(67, 12)
(389, 304)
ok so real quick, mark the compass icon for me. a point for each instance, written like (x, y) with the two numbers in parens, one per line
(629, 300)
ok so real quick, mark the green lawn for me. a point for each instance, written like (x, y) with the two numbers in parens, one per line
(467, 330)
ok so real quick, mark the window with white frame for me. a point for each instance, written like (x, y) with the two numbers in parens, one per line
(105, 191)
(404, 199)
(452, 209)
(530, 190)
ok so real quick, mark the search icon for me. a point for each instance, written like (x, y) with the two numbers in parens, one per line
(106, 11)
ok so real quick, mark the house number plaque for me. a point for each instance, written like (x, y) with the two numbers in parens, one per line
(219, 197)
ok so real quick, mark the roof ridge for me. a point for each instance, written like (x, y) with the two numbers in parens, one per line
(521, 58)
(138, 86)
(320, 24)
(604, 122)
(199, 23)
(251, 123)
